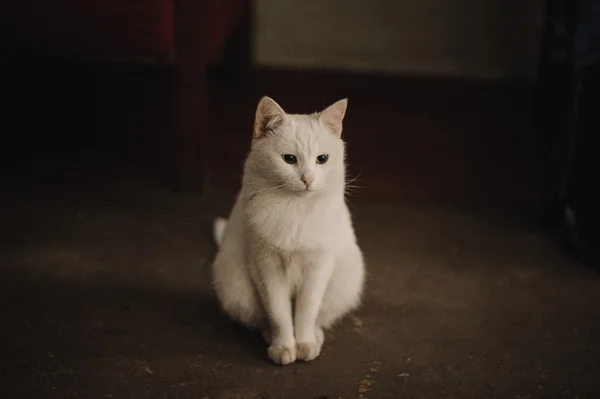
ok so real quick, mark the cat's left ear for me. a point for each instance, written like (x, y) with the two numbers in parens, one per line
(333, 116)
(269, 116)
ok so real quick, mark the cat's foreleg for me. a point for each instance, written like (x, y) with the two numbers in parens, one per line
(275, 295)
(345, 287)
(316, 275)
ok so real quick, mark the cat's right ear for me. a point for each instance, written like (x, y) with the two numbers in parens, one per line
(269, 116)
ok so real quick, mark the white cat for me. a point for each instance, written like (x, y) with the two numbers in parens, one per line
(288, 261)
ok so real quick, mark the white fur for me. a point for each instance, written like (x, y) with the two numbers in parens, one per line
(219, 230)
(286, 245)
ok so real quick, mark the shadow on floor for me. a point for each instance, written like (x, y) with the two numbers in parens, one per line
(105, 274)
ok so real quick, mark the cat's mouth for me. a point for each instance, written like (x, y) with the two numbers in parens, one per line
(302, 191)
(307, 190)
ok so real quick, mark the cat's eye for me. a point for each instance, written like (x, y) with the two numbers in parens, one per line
(289, 158)
(321, 159)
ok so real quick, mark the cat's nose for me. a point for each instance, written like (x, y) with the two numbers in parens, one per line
(306, 180)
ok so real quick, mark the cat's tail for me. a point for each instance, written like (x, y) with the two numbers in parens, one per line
(218, 230)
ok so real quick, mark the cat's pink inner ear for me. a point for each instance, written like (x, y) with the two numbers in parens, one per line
(269, 115)
(333, 116)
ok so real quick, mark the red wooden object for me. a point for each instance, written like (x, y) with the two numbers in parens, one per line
(223, 17)
(189, 33)
(116, 29)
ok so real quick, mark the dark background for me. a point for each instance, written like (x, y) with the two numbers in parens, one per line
(124, 129)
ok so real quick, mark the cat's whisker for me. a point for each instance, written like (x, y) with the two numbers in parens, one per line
(352, 188)
(353, 182)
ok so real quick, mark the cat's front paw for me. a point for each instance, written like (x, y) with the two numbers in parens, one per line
(282, 354)
(308, 351)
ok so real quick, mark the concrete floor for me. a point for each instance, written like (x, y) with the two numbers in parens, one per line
(105, 284)
(105, 275)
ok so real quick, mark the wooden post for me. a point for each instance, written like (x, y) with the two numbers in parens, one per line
(191, 124)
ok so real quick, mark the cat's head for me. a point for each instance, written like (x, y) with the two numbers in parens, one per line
(297, 154)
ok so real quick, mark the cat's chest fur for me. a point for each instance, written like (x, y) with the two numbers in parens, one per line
(296, 223)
